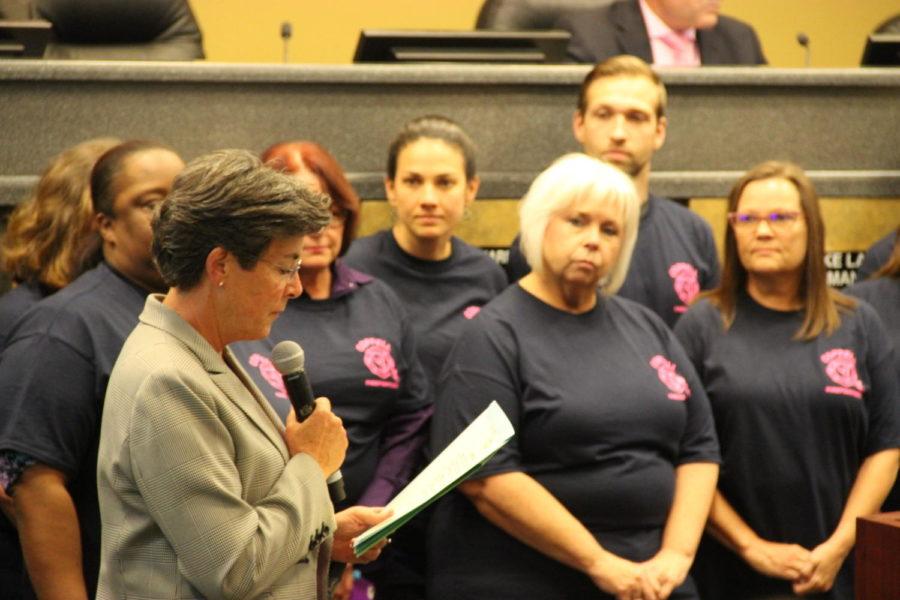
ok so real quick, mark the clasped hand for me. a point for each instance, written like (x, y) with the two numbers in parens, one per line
(651, 580)
(810, 571)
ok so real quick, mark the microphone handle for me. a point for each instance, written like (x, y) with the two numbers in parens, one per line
(336, 490)
(301, 396)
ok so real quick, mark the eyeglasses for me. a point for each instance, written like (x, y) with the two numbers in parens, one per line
(288, 273)
(776, 219)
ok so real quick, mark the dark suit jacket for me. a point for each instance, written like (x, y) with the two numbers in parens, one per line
(618, 28)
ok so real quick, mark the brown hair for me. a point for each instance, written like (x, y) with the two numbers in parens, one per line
(623, 66)
(433, 127)
(892, 267)
(47, 235)
(292, 157)
(821, 304)
(229, 199)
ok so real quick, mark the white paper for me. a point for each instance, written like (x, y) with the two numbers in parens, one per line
(477, 442)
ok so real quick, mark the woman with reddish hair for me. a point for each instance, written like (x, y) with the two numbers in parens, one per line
(802, 385)
(360, 348)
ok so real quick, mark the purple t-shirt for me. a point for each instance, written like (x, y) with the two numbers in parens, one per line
(361, 354)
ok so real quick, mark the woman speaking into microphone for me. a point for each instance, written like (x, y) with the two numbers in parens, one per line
(203, 491)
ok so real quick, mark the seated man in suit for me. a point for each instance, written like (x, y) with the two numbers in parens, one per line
(666, 33)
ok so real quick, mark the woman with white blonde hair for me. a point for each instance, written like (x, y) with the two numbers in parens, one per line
(604, 489)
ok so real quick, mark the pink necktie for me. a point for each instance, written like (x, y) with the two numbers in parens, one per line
(681, 48)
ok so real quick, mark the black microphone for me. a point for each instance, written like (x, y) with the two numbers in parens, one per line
(803, 40)
(287, 31)
(288, 358)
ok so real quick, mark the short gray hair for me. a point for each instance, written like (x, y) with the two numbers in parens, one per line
(229, 199)
(568, 179)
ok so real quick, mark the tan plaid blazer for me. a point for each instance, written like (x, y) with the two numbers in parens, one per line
(198, 496)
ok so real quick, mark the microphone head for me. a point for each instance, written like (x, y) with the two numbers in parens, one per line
(286, 30)
(802, 39)
(288, 357)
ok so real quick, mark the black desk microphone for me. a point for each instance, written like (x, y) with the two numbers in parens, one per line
(803, 40)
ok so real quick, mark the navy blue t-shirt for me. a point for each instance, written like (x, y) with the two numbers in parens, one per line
(795, 421)
(605, 406)
(16, 302)
(13, 304)
(53, 377)
(361, 354)
(884, 296)
(876, 256)
(439, 295)
(674, 258)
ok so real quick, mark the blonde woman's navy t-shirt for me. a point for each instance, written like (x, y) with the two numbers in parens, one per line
(605, 407)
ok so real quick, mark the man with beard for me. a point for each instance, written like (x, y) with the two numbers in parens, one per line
(621, 119)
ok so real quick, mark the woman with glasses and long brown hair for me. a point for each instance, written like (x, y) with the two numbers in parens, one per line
(804, 393)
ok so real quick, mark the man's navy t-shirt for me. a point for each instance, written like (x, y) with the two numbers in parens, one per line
(674, 258)
(605, 406)
(53, 379)
(795, 420)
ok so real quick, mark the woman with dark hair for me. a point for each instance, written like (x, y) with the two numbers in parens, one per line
(42, 248)
(42, 252)
(203, 491)
(362, 350)
(804, 393)
(604, 490)
(56, 367)
(882, 291)
(430, 184)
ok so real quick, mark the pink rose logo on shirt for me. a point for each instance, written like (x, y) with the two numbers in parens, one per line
(677, 385)
(686, 282)
(379, 360)
(269, 373)
(840, 366)
(471, 311)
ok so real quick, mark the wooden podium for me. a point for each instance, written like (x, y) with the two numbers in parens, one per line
(878, 557)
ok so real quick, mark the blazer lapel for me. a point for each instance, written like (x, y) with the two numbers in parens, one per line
(254, 406)
(225, 372)
(712, 49)
(631, 33)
